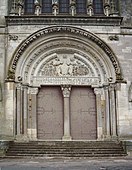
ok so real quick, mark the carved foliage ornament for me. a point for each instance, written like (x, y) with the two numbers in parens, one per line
(72, 30)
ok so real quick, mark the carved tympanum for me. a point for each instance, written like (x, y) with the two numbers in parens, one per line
(64, 65)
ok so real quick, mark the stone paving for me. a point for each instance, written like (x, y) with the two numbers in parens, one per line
(67, 164)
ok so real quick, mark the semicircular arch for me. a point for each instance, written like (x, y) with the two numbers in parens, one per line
(79, 53)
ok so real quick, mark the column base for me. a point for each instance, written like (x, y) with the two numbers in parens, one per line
(32, 134)
(66, 138)
(107, 138)
(114, 138)
(22, 138)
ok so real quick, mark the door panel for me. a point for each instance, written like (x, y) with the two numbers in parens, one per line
(83, 113)
(50, 113)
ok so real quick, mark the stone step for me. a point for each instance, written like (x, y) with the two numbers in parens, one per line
(67, 145)
(62, 147)
(66, 142)
(68, 155)
(65, 149)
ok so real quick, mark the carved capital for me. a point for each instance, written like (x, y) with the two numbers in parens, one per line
(97, 91)
(19, 86)
(112, 87)
(33, 91)
(66, 90)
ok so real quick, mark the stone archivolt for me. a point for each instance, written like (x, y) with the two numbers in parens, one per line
(77, 53)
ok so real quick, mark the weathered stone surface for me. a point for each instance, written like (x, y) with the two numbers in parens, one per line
(117, 37)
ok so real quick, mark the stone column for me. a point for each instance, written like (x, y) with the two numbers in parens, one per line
(113, 111)
(97, 92)
(25, 108)
(19, 128)
(107, 115)
(66, 94)
(9, 109)
(32, 117)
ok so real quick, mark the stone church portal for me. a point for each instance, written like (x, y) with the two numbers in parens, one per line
(65, 86)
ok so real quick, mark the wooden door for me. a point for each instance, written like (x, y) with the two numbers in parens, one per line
(83, 114)
(50, 113)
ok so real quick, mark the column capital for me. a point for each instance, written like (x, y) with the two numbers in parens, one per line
(32, 90)
(97, 91)
(19, 86)
(66, 90)
(112, 87)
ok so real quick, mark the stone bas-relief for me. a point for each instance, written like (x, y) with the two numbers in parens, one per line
(64, 66)
(65, 69)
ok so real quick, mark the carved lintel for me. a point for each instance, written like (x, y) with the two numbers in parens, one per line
(66, 90)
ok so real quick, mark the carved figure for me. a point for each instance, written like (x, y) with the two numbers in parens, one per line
(64, 66)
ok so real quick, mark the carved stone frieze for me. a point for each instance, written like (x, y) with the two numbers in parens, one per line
(73, 31)
(64, 65)
(88, 81)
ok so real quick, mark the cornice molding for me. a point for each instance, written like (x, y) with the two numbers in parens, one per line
(65, 20)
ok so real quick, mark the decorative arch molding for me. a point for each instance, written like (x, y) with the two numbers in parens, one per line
(57, 38)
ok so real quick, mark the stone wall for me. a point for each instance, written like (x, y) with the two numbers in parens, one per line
(126, 12)
(11, 37)
(3, 13)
